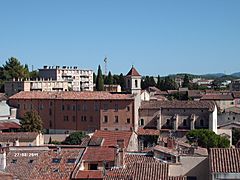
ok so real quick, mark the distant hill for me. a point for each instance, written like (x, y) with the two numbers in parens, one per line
(214, 75)
(237, 74)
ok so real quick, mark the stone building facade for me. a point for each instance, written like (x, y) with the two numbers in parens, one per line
(178, 115)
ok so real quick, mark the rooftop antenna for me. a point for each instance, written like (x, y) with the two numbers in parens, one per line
(105, 63)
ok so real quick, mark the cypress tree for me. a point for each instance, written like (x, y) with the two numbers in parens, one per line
(99, 81)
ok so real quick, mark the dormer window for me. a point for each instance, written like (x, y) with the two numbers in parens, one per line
(136, 83)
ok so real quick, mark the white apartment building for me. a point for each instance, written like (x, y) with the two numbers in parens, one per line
(78, 79)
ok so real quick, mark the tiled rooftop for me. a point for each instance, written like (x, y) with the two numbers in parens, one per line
(8, 125)
(140, 168)
(224, 160)
(217, 97)
(151, 132)
(30, 163)
(99, 154)
(21, 136)
(178, 105)
(111, 137)
(71, 95)
(133, 72)
(236, 94)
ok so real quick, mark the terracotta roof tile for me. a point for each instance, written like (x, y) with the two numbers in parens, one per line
(217, 97)
(236, 94)
(140, 168)
(89, 174)
(99, 154)
(73, 95)
(151, 132)
(133, 72)
(21, 136)
(178, 105)
(177, 178)
(111, 137)
(9, 125)
(42, 163)
(224, 160)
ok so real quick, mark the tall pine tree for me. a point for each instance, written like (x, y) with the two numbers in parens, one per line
(99, 80)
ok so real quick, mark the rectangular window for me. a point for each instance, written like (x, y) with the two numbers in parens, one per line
(105, 119)
(116, 119)
(63, 107)
(184, 122)
(68, 107)
(96, 108)
(91, 119)
(73, 107)
(84, 107)
(128, 108)
(50, 112)
(85, 118)
(116, 107)
(142, 122)
(128, 120)
(51, 103)
(105, 106)
(65, 118)
(78, 107)
(56, 160)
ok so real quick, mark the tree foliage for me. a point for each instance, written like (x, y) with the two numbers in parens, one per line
(99, 80)
(13, 69)
(207, 139)
(74, 138)
(109, 79)
(31, 122)
(186, 81)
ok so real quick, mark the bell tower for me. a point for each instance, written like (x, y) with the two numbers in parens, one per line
(133, 81)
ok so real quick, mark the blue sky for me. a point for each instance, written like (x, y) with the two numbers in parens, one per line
(158, 37)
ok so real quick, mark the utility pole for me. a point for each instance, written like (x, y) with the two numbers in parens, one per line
(105, 63)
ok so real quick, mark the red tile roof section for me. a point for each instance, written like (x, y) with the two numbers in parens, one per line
(178, 105)
(89, 174)
(151, 132)
(217, 97)
(9, 125)
(111, 137)
(21, 136)
(224, 160)
(97, 154)
(138, 167)
(71, 95)
(133, 72)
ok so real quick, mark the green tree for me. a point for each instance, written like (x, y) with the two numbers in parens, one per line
(31, 122)
(121, 81)
(185, 81)
(13, 69)
(158, 82)
(74, 138)
(99, 81)
(94, 78)
(109, 79)
(207, 139)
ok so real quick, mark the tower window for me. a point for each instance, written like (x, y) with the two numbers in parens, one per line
(136, 83)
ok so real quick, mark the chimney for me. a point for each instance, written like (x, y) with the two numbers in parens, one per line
(120, 153)
(13, 112)
(3, 159)
(171, 143)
